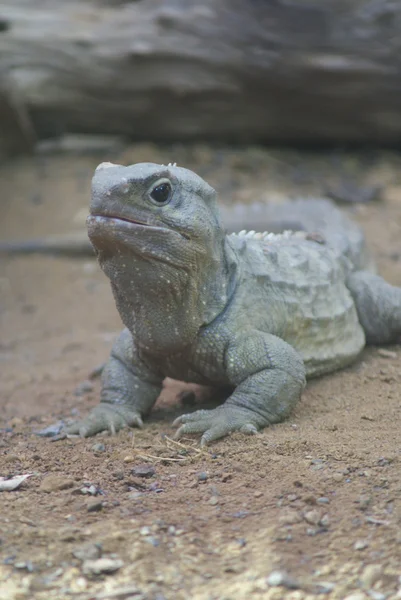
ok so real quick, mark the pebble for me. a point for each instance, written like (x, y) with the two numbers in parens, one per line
(88, 551)
(323, 500)
(282, 579)
(101, 565)
(91, 490)
(312, 517)
(203, 476)
(84, 388)
(364, 501)
(214, 500)
(386, 353)
(145, 530)
(135, 495)
(356, 596)
(94, 506)
(145, 471)
(325, 521)
(258, 494)
(55, 483)
(360, 545)
(337, 477)
(377, 595)
(290, 518)
(370, 575)
(98, 447)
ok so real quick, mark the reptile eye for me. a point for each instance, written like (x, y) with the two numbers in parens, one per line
(161, 193)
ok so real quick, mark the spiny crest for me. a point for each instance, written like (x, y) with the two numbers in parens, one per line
(266, 235)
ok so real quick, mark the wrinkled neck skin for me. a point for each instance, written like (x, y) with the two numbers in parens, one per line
(164, 305)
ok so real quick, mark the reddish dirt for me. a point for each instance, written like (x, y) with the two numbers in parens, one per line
(317, 496)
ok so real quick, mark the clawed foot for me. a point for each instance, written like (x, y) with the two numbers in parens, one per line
(216, 423)
(105, 417)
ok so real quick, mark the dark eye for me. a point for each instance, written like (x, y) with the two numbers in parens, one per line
(161, 193)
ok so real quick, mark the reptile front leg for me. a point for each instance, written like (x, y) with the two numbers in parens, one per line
(268, 375)
(129, 390)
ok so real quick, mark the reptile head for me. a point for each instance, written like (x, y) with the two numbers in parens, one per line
(163, 213)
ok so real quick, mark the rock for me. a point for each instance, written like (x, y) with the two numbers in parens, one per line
(203, 476)
(144, 471)
(88, 551)
(84, 388)
(356, 596)
(94, 506)
(312, 517)
(290, 518)
(360, 545)
(370, 575)
(55, 483)
(98, 447)
(282, 579)
(101, 565)
(214, 500)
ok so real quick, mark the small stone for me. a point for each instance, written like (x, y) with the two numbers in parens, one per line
(203, 476)
(145, 530)
(324, 587)
(375, 595)
(370, 575)
(337, 477)
(98, 447)
(360, 545)
(135, 495)
(290, 518)
(386, 353)
(282, 579)
(145, 471)
(325, 521)
(258, 494)
(87, 552)
(312, 517)
(356, 596)
(323, 500)
(27, 565)
(364, 501)
(292, 497)
(84, 388)
(94, 506)
(90, 490)
(214, 500)
(101, 565)
(55, 483)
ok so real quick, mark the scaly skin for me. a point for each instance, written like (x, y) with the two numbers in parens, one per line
(251, 315)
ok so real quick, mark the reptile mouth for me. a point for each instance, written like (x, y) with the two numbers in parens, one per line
(119, 218)
(131, 221)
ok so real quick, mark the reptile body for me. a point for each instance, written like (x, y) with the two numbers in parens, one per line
(250, 314)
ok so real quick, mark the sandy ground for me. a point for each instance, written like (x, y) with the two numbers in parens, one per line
(137, 516)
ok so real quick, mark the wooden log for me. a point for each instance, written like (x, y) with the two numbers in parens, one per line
(16, 132)
(232, 70)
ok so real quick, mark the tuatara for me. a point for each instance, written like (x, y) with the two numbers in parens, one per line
(250, 314)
